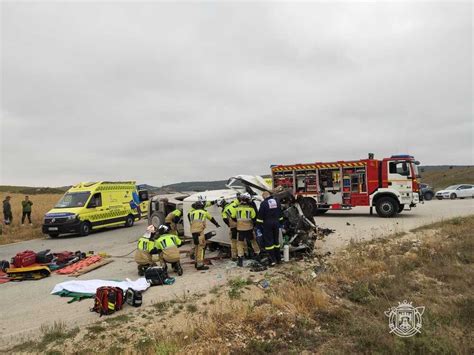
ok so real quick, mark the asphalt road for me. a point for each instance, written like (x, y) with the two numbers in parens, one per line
(27, 305)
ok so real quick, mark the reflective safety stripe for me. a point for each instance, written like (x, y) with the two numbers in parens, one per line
(145, 244)
(199, 215)
(259, 220)
(111, 306)
(167, 241)
(274, 246)
(229, 211)
(245, 213)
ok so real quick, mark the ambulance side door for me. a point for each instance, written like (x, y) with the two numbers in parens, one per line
(95, 210)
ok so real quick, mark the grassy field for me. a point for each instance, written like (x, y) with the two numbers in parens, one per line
(441, 177)
(42, 203)
(318, 305)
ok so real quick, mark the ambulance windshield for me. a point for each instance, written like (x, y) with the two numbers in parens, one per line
(73, 199)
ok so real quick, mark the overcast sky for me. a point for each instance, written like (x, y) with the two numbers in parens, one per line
(168, 92)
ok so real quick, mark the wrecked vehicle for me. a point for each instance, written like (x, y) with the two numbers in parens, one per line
(161, 205)
(299, 230)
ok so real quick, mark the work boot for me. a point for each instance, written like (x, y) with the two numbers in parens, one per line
(272, 259)
(178, 269)
(277, 255)
(202, 267)
(240, 261)
(141, 271)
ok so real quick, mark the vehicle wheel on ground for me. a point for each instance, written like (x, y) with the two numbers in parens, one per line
(157, 219)
(439, 198)
(453, 196)
(84, 228)
(309, 207)
(400, 208)
(320, 211)
(428, 196)
(129, 221)
(53, 235)
(387, 207)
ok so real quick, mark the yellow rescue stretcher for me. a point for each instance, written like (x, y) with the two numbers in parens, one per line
(28, 273)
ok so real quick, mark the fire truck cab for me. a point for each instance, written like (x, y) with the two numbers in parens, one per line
(390, 185)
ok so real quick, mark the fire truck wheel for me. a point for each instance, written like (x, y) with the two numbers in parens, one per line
(386, 207)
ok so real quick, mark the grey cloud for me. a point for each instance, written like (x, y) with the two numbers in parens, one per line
(164, 92)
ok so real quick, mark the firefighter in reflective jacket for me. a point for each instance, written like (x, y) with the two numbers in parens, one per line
(167, 245)
(172, 219)
(229, 215)
(269, 219)
(145, 250)
(197, 219)
(245, 216)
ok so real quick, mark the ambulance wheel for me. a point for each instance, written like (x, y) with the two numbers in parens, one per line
(129, 221)
(84, 228)
(387, 207)
(53, 235)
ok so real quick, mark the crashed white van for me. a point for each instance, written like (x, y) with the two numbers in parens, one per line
(255, 185)
(301, 229)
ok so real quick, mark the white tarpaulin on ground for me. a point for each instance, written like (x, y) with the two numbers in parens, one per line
(90, 286)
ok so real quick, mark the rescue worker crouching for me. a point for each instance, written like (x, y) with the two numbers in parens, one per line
(167, 245)
(245, 221)
(229, 215)
(172, 219)
(269, 219)
(197, 219)
(145, 250)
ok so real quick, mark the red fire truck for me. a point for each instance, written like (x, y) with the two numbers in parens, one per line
(390, 185)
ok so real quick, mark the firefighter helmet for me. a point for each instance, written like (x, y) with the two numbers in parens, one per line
(163, 229)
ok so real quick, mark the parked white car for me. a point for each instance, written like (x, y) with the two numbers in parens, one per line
(456, 191)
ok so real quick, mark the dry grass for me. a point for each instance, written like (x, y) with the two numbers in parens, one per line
(340, 310)
(15, 232)
(441, 177)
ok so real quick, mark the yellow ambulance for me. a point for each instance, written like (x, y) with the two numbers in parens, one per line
(89, 206)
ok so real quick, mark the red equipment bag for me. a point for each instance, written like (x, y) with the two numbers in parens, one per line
(108, 300)
(63, 257)
(25, 258)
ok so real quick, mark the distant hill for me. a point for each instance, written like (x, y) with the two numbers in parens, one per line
(28, 190)
(196, 186)
(438, 176)
(442, 176)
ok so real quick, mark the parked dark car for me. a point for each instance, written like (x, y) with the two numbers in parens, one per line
(427, 192)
